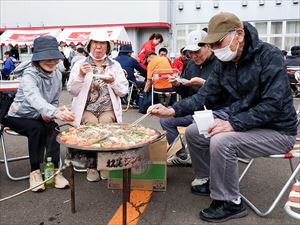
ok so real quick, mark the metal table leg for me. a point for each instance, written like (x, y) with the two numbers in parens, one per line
(128, 184)
(126, 193)
(72, 188)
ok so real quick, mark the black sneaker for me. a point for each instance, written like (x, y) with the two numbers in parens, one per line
(181, 158)
(221, 211)
(200, 189)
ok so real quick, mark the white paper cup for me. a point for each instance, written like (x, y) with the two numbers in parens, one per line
(203, 120)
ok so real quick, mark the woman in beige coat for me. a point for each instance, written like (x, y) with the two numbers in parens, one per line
(96, 84)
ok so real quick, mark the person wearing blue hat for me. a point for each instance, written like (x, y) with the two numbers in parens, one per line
(129, 63)
(35, 108)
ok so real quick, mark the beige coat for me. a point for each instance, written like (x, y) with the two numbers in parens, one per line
(79, 87)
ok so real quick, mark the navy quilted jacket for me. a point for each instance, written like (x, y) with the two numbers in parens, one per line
(129, 63)
(256, 90)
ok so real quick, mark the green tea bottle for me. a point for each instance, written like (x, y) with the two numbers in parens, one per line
(48, 172)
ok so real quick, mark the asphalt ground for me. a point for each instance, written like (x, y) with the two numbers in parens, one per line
(95, 204)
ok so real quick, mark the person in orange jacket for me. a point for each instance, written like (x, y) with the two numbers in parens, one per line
(149, 46)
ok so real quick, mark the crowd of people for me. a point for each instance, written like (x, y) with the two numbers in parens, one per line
(226, 69)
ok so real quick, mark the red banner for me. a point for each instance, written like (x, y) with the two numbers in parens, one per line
(25, 37)
(78, 36)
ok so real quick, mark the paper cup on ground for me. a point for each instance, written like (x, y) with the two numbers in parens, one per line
(203, 120)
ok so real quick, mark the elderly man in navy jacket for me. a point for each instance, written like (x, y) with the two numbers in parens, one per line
(129, 63)
(254, 114)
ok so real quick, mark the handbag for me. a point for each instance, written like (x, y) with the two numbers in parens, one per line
(5, 101)
(145, 100)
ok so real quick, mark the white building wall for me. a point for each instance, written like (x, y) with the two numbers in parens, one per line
(252, 12)
(269, 17)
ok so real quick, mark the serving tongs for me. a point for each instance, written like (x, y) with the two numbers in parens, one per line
(140, 119)
(57, 128)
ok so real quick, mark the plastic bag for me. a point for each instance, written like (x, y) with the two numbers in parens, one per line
(145, 100)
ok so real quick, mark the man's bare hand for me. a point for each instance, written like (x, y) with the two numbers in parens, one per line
(174, 83)
(219, 126)
(173, 80)
(161, 111)
(195, 81)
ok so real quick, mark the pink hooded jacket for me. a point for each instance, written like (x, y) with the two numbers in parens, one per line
(79, 87)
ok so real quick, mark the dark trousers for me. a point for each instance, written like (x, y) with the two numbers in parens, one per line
(170, 125)
(65, 77)
(41, 136)
(4, 76)
(162, 98)
(139, 86)
(158, 97)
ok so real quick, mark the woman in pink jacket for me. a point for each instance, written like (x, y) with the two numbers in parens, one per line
(96, 84)
(149, 46)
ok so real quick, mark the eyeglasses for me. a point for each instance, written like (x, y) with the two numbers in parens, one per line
(218, 43)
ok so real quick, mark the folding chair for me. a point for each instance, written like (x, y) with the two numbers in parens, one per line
(128, 97)
(293, 74)
(294, 153)
(5, 159)
(162, 74)
(293, 201)
(6, 99)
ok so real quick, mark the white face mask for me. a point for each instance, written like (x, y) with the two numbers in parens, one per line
(225, 54)
(93, 57)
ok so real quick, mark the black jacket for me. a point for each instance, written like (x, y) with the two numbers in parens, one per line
(256, 89)
(194, 70)
(293, 60)
(129, 63)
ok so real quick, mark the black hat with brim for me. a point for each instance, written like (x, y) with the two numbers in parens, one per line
(126, 48)
(46, 48)
(47, 55)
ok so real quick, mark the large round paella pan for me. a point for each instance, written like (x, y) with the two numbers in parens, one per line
(108, 137)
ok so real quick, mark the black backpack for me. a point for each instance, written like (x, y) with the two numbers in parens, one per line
(5, 102)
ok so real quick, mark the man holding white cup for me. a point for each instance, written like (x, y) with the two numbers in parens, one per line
(196, 72)
(250, 85)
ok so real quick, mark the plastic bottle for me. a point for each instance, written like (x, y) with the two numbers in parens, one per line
(48, 172)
